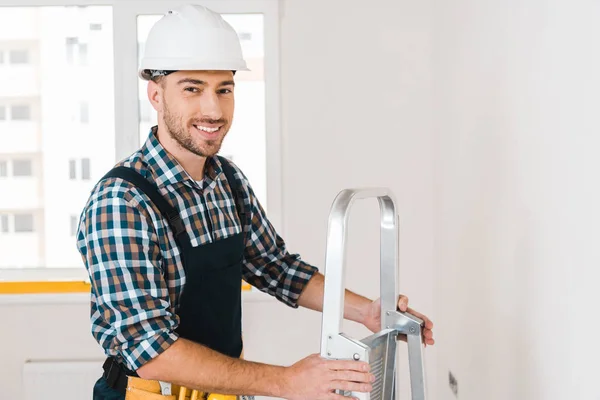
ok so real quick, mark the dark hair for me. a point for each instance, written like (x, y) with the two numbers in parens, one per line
(159, 78)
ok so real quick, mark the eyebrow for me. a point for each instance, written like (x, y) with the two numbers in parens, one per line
(201, 82)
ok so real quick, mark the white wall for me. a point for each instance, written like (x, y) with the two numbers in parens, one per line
(357, 112)
(516, 215)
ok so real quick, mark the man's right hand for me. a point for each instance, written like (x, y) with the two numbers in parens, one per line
(316, 378)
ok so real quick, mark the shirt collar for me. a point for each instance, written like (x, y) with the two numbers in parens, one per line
(166, 170)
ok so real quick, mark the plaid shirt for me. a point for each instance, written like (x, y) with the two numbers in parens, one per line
(128, 248)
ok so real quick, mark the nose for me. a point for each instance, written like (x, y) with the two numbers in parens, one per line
(210, 106)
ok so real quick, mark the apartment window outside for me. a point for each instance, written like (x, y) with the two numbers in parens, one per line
(77, 51)
(72, 170)
(1, 57)
(22, 168)
(18, 56)
(83, 54)
(80, 169)
(20, 112)
(2, 112)
(84, 112)
(3, 169)
(71, 45)
(4, 223)
(23, 223)
(73, 224)
(85, 169)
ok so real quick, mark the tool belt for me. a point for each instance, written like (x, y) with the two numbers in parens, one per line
(143, 389)
(135, 388)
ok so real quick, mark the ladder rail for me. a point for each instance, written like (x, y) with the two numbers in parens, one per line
(333, 304)
(334, 343)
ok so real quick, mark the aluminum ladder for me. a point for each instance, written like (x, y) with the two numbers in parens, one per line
(379, 349)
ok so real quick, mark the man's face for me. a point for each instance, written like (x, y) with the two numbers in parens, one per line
(197, 108)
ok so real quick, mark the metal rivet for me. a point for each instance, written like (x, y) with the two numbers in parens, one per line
(328, 353)
(387, 313)
(329, 336)
(412, 330)
(356, 356)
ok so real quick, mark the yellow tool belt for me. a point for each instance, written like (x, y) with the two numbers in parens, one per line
(144, 389)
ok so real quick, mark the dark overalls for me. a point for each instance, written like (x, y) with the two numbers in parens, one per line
(210, 305)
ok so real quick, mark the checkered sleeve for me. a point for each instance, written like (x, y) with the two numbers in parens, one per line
(268, 265)
(119, 246)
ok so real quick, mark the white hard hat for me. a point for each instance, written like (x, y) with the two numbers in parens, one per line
(191, 37)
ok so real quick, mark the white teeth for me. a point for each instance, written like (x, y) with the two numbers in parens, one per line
(206, 129)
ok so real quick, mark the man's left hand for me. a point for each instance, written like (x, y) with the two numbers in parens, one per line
(372, 319)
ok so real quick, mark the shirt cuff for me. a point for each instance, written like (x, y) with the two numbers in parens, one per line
(145, 350)
(297, 278)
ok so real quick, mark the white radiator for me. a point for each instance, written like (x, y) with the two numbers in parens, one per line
(60, 379)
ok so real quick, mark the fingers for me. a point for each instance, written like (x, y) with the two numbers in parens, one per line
(335, 396)
(403, 303)
(352, 376)
(349, 365)
(426, 321)
(427, 324)
(351, 386)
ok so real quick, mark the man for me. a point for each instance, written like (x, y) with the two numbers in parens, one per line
(168, 235)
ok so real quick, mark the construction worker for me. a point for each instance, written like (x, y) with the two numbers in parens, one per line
(169, 233)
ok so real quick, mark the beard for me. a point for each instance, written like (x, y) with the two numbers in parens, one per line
(179, 131)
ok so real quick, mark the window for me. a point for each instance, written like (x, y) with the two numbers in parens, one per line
(85, 169)
(18, 56)
(23, 223)
(72, 169)
(83, 166)
(20, 112)
(76, 51)
(71, 46)
(22, 168)
(73, 225)
(84, 112)
(3, 223)
(82, 49)
(83, 54)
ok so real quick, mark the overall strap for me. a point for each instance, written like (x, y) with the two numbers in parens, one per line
(152, 192)
(237, 190)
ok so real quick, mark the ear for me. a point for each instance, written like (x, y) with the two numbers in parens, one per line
(155, 95)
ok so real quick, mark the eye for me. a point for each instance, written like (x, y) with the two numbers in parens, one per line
(191, 89)
(225, 91)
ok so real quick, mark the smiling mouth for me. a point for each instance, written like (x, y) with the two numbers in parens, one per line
(207, 132)
(207, 129)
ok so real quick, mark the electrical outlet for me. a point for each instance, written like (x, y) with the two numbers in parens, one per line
(453, 383)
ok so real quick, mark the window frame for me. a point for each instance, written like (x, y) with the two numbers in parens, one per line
(126, 112)
(29, 160)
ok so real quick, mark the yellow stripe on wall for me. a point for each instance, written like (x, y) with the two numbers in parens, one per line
(56, 287)
(44, 287)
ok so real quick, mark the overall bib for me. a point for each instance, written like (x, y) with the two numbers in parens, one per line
(210, 304)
